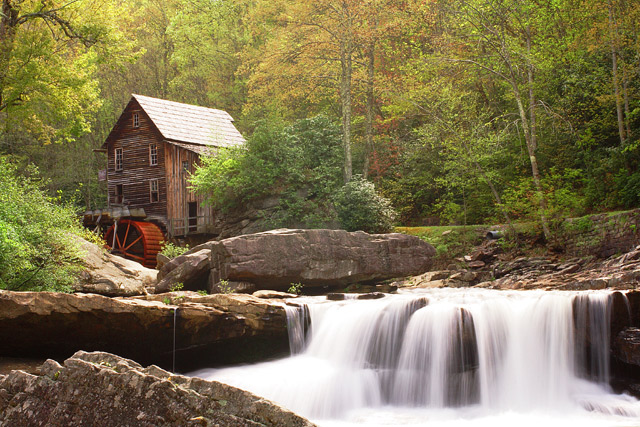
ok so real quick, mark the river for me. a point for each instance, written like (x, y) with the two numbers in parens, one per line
(446, 357)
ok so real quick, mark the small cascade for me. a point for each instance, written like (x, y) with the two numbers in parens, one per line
(592, 335)
(298, 326)
(445, 354)
(173, 355)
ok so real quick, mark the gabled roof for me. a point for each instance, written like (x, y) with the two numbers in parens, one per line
(191, 124)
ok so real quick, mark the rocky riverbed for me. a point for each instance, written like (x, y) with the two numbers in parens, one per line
(184, 330)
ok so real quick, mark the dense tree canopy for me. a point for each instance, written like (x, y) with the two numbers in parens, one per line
(459, 111)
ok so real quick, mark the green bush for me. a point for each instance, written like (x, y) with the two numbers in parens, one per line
(170, 250)
(628, 187)
(300, 165)
(38, 249)
(359, 207)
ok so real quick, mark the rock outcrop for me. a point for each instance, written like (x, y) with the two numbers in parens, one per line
(541, 272)
(626, 346)
(316, 258)
(111, 275)
(207, 329)
(101, 389)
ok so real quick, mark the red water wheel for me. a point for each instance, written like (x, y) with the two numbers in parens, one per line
(136, 240)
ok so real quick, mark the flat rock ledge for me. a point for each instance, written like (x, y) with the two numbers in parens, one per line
(149, 329)
(101, 389)
(314, 258)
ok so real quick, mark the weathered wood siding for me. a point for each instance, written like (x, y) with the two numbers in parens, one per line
(178, 193)
(136, 169)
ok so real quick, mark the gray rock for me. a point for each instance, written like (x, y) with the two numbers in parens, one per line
(319, 257)
(463, 276)
(476, 264)
(111, 275)
(142, 328)
(626, 346)
(101, 389)
(161, 260)
(191, 269)
(273, 294)
(371, 295)
(314, 258)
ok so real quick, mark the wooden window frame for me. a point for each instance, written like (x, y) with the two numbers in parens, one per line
(118, 159)
(154, 191)
(153, 155)
(136, 120)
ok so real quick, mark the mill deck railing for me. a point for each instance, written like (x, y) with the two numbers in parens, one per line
(189, 225)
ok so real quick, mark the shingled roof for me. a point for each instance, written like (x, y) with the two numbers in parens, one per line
(191, 124)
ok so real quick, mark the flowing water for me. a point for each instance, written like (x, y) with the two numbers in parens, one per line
(446, 357)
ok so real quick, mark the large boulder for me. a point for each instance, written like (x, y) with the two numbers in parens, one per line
(103, 389)
(111, 275)
(316, 258)
(626, 346)
(196, 330)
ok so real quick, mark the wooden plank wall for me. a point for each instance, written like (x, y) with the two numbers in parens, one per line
(137, 171)
(178, 192)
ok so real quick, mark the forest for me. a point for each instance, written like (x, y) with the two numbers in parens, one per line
(459, 112)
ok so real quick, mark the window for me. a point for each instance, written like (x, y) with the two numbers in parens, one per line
(118, 194)
(118, 159)
(136, 120)
(153, 154)
(153, 191)
(185, 166)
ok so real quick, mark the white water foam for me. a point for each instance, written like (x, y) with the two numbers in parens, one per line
(447, 357)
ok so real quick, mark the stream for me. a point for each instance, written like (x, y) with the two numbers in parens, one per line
(446, 357)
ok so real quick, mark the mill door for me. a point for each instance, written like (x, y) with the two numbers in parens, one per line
(193, 217)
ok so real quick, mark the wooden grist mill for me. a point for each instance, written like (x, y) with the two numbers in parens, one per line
(152, 150)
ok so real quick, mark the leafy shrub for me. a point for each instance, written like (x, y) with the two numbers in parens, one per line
(301, 165)
(295, 288)
(38, 250)
(628, 188)
(170, 250)
(359, 207)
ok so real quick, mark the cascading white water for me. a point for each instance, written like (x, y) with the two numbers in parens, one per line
(446, 357)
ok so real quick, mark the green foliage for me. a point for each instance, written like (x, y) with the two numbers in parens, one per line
(178, 286)
(562, 191)
(202, 292)
(579, 225)
(170, 250)
(225, 287)
(628, 186)
(300, 165)
(38, 250)
(92, 237)
(359, 207)
(295, 288)
(450, 242)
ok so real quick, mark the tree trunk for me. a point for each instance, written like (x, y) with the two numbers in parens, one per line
(542, 201)
(625, 93)
(369, 108)
(614, 63)
(530, 133)
(346, 51)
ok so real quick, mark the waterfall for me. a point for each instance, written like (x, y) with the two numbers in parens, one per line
(445, 354)
(298, 323)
